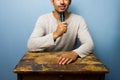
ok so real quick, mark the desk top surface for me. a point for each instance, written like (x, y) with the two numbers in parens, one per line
(47, 63)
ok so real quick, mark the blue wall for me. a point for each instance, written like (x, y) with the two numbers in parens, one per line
(17, 19)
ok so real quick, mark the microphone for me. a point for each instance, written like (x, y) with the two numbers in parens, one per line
(62, 17)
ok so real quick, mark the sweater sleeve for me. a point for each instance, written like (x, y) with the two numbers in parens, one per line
(38, 40)
(84, 36)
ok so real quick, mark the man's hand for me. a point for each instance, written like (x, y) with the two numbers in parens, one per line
(67, 58)
(61, 29)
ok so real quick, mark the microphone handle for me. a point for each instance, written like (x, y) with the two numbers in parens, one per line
(62, 17)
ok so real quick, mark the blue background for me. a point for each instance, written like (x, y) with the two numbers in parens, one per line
(18, 17)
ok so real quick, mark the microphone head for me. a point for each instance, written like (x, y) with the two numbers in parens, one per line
(62, 17)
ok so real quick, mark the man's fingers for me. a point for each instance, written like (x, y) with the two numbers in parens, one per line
(64, 23)
(65, 61)
(59, 60)
(67, 58)
(62, 60)
(70, 60)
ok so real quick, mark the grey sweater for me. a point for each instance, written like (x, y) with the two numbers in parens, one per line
(41, 38)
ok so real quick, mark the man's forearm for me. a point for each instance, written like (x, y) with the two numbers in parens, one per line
(40, 43)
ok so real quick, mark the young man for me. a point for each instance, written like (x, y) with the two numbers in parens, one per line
(50, 34)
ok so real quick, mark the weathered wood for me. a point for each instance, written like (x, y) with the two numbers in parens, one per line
(45, 64)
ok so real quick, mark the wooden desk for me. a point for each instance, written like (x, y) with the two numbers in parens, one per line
(42, 66)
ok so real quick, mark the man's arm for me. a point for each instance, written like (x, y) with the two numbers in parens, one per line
(85, 38)
(83, 50)
(38, 40)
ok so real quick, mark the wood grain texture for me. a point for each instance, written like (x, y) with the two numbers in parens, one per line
(46, 62)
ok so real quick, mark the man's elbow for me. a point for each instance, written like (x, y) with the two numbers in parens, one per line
(33, 47)
(30, 46)
(91, 47)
